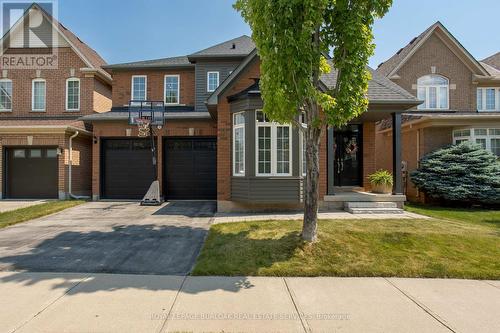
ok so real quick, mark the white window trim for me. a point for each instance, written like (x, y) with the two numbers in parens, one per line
(425, 105)
(274, 161)
(472, 137)
(235, 127)
(132, 97)
(33, 95)
(11, 95)
(71, 79)
(208, 80)
(483, 99)
(178, 88)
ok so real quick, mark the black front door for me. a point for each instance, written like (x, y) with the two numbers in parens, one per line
(348, 156)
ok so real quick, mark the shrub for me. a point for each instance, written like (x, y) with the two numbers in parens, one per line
(463, 173)
(381, 177)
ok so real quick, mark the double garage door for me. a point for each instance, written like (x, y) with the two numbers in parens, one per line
(31, 173)
(189, 168)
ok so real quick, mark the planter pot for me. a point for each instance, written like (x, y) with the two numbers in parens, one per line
(382, 188)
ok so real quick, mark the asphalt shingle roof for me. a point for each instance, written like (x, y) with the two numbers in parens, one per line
(237, 47)
(380, 88)
(493, 61)
(181, 61)
(493, 71)
(388, 66)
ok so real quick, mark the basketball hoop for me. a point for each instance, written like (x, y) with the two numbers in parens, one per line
(143, 127)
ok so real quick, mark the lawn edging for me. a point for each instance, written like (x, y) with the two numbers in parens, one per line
(20, 215)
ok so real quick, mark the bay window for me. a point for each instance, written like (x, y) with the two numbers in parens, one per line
(434, 91)
(488, 99)
(239, 144)
(273, 141)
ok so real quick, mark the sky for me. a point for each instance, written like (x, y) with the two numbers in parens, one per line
(133, 30)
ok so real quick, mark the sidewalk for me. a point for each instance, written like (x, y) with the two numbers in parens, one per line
(55, 302)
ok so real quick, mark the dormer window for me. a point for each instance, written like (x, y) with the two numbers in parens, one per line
(5, 95)
(212, 81)
(38, 95)
(434, 91)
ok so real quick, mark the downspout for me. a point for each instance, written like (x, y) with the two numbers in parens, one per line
(70, 164)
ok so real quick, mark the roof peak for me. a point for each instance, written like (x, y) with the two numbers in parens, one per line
(239, 46)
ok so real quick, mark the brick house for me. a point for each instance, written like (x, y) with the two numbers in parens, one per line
(40, 109)
(461, 99)
(217, 144)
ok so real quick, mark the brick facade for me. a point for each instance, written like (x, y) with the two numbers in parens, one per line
(95, 96)
(122, 85)
(115, 129)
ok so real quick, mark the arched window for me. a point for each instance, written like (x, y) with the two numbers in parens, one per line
(434, 91)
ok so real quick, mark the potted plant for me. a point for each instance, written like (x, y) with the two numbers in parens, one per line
(381, 182)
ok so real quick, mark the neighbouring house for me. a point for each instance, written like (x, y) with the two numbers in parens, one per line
(40, 107)
(461, 100)
(217, 144)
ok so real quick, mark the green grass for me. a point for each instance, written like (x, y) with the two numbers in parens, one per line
(481, 216)
(404, 248)
(25, 214)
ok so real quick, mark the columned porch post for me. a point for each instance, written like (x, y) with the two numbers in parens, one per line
(396, 154)
(331, 160)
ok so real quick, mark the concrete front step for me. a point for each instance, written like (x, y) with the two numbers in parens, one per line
(370, 204)
(375, 210)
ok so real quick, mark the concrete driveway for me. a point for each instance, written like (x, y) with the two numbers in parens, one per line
(110, 237)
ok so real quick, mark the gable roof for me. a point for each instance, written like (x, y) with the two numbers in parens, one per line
(493, 60)
(380, 89)
(171, 62)
(493, 71)
(393, 64)
(88, 55)
(237, 47)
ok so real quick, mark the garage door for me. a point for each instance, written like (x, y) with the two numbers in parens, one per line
(127, 168)
(190, 168)
(31, 173)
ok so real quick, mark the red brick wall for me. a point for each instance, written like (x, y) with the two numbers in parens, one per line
(55, 87)
(102, 96)
(435, 53)
(81, 157)
(224, 131)
(119, 129)
(369, 153)
(122, 85)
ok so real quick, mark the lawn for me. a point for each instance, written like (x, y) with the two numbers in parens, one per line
(25, 214)
(454, 247)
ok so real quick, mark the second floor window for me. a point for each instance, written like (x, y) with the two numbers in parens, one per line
(38, 95)
(172, 83)
(212, 81)
(488, 99)
(5, 95)
(434, 91)
(73, 94)
(139, 87)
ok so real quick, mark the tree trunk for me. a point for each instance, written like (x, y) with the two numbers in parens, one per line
(311, 195)
(313, 135)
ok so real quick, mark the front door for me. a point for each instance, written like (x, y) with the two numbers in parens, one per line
(348, 156)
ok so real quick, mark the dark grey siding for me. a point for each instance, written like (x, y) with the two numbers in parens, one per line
(202, 67)
(267, 190)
